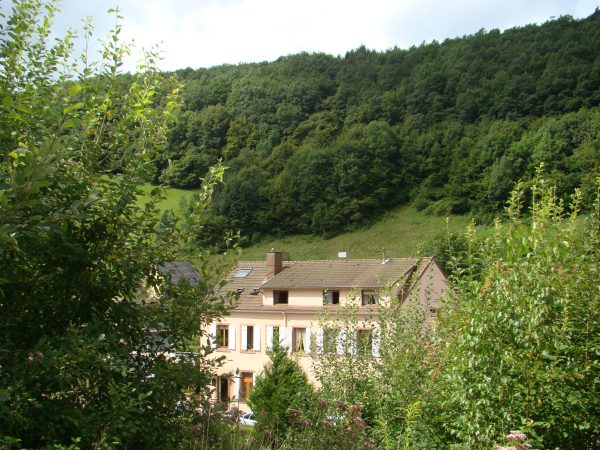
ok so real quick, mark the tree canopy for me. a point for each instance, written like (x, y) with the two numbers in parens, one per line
(319, 144)
(95, 339)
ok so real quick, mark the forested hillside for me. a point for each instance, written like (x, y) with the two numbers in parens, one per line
(319, 144)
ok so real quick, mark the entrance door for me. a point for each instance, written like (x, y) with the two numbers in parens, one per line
(224, 389)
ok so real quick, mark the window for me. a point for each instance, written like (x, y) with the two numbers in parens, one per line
(299, 340)
(280, 297)
(249, 338)
(242, 273)
(247, 382)
(274, 335)
(222, 335)
(370, 298)
(223, 388)
(331, 297)
(329, 340)
(364, 340)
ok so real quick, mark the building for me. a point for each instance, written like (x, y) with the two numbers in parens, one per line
(282, 300)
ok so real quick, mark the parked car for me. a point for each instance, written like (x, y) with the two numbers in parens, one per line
(248, 419)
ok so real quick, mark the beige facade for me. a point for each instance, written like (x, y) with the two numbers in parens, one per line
(284, 299)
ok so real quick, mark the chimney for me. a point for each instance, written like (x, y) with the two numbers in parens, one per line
(274, 263)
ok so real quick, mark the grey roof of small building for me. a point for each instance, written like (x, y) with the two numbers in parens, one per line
(180, 270)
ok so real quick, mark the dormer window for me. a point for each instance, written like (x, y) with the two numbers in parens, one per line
(280, 297)
(331, 297)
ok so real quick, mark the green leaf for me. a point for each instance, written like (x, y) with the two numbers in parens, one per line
(75, 89)
(71, 123)
(73, 107)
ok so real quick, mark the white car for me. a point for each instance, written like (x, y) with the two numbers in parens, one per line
(248, 419)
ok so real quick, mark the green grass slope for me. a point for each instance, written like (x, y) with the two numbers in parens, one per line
(172, 198)
(401, 232)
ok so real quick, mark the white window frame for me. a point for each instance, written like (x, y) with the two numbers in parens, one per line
(255, 338)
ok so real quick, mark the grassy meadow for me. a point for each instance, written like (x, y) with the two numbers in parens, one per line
(173, 197)
(402, 232)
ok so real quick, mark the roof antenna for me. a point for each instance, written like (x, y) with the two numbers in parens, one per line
(385, 260)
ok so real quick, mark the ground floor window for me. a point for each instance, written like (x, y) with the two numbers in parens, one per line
(247, 382)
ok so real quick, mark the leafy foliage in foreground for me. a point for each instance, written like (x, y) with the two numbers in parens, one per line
(87, 321)
(519, 349)
(516, 347)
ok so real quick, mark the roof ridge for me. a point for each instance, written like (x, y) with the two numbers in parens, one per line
(405, 258)
(393, 258)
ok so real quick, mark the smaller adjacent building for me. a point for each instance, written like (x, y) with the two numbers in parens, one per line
(283, 301)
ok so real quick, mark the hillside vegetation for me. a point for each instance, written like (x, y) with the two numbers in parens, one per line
(400, 233)
(317, 144)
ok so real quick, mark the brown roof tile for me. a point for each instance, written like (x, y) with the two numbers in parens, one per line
(249, 283)
(352, 273)
(325, 274)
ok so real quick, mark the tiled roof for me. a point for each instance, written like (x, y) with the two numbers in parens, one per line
(326, 274)
(246, 285)
(352, 273)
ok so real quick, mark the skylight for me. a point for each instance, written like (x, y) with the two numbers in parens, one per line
(242, 273)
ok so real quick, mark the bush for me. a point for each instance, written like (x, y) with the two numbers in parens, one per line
(517, 349)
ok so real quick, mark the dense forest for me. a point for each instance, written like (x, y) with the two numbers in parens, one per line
(319, 144)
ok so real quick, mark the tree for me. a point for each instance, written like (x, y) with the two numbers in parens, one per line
(281, 387)
(88, 323)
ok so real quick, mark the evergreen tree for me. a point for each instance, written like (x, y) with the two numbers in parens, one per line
(279, 391)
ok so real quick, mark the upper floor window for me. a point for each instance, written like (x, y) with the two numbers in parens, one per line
(250, 339)
(222, 335)
(299, 343)
(280, 297)
(370, 298)
(330, 340)
(331, 297)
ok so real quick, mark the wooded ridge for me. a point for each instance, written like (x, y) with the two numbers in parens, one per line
(320, 144)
